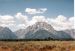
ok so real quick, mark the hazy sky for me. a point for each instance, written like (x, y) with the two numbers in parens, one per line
(17, 14)
(54, 7)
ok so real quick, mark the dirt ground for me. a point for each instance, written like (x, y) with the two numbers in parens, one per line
(37, 46)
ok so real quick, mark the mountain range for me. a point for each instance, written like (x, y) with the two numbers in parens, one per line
(6, 33)
(42, 30)
(39, 30)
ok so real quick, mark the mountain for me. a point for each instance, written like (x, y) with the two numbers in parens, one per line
(63, 35)
(35, 27)
(40, 34)
(71, 32)
(20, 33)
(6, 33)
(41, 30)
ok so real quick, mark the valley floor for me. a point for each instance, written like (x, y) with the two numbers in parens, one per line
(37, 45)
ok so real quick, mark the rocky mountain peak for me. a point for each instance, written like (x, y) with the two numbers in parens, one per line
(36, 27)
(41, 25)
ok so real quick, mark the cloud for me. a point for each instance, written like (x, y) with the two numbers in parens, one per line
(62, 23)
(37, 19)
(23, 19)
(59, 23)
(72, 22)
(21, 26)
(6, 20)
(35, 11)
(20, 21)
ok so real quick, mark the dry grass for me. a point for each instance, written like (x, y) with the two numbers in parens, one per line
(38, 46)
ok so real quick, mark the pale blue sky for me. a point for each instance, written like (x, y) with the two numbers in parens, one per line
(55, 7)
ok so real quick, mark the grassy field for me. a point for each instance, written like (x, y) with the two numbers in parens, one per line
(37, 46)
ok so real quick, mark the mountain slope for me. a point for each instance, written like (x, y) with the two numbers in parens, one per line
(42, 30)
(40, 34)
(71, 32)
(34, 28)
(6, 33)
(63, 35)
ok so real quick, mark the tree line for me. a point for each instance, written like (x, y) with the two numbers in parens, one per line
(46, 39)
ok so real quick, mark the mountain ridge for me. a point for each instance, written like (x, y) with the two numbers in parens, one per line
(44, 26)
(39, 30)
(6, 33)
